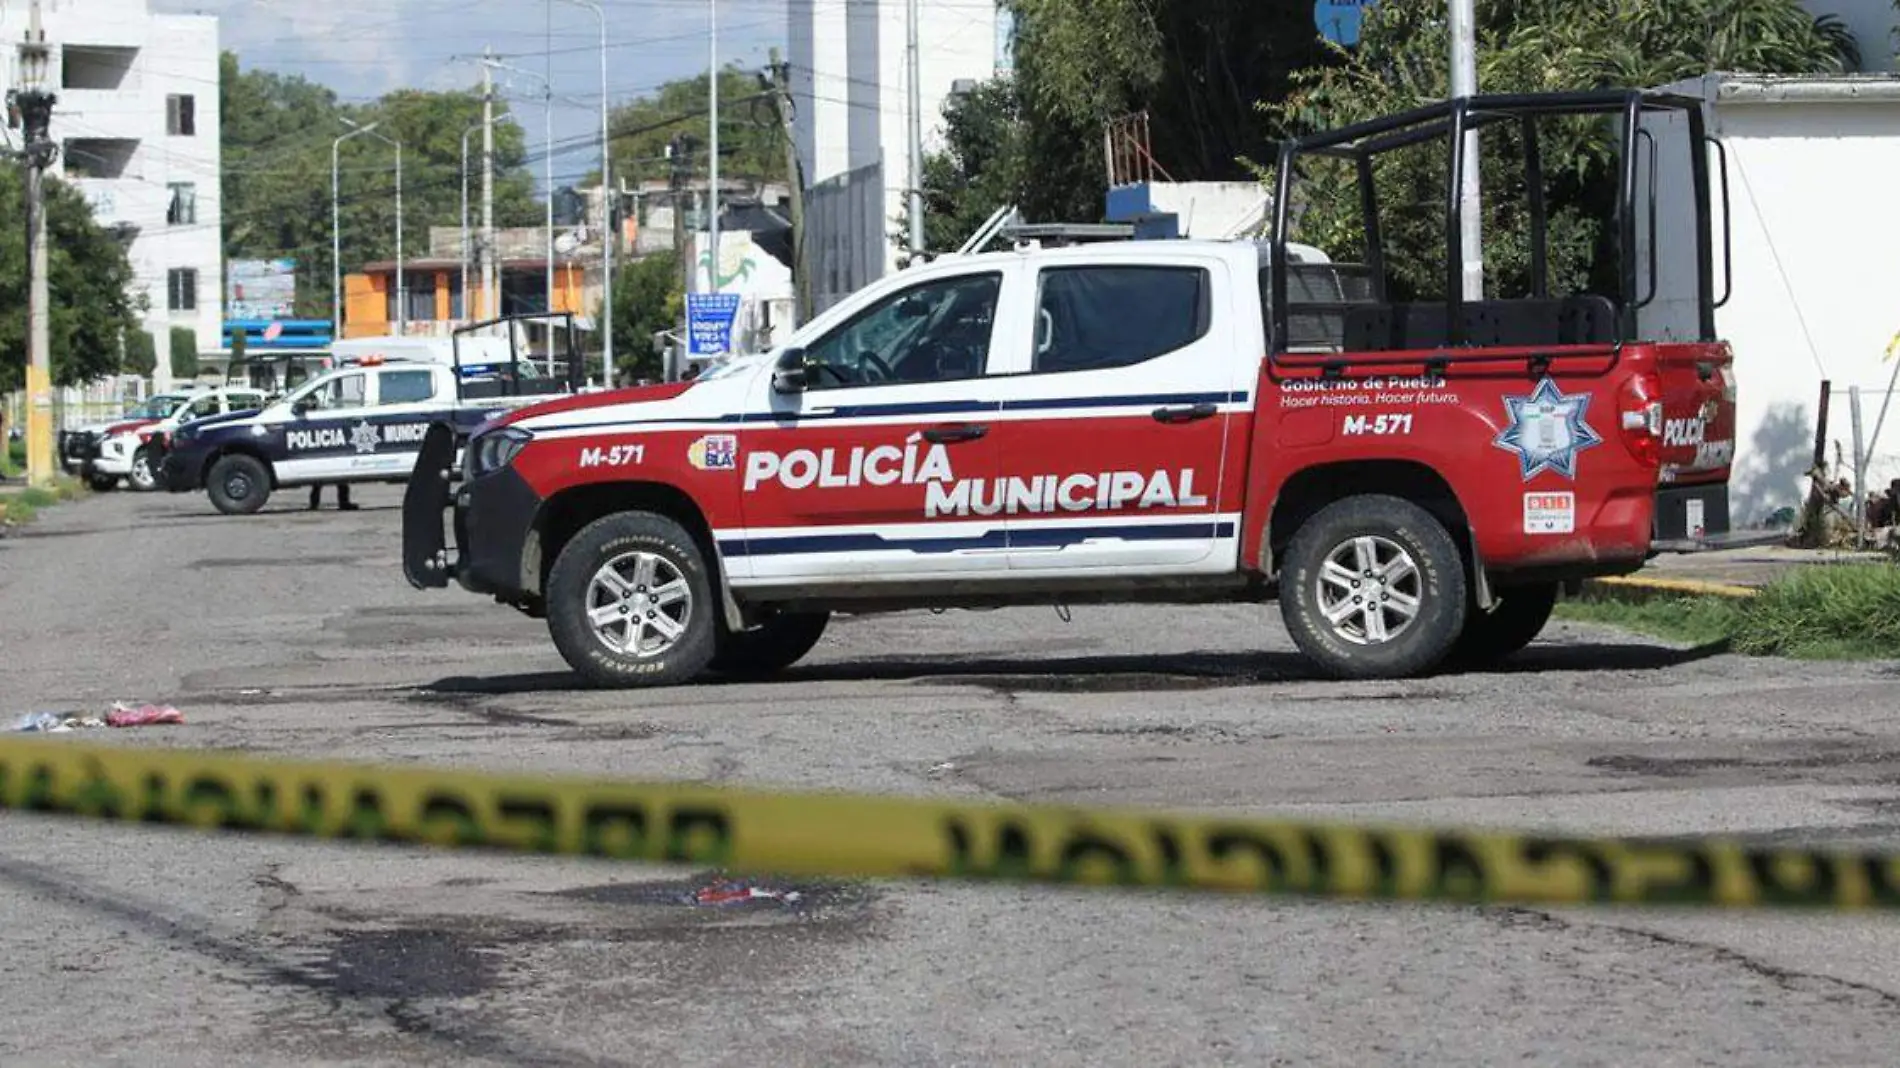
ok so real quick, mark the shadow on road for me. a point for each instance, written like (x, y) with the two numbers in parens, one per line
(1158, 672)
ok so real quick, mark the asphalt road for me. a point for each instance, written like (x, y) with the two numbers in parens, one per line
(294, 633)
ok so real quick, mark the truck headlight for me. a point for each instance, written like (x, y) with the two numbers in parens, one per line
(497, 449)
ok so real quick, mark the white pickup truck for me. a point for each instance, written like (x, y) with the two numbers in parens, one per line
(1146, 421)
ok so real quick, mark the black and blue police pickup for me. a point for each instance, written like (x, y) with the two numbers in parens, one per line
(360, 423)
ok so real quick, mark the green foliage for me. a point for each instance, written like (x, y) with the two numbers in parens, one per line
(1196, 66)
(1817, 612)
(278, 134)
(1524, 46)
(993, 156)
(1826, 612)
(647, 300)
(89, 281)
(141, 353)
(184, 353)
(750, 136)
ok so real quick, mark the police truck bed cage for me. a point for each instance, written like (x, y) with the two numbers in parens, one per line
(472, 384)
(1321, 312)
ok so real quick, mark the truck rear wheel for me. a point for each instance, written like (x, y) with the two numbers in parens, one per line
(1514, 622)
(1373, 587)
(238, 484)
(629, 603)
(770, 647)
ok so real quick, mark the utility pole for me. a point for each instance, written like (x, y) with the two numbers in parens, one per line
(489, 274)
(36, 114)
(712, 154)
(916, 109)
(781, 82)
(1464, 83)
(676, 185)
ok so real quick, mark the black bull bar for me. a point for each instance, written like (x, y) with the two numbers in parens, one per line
(425, 555)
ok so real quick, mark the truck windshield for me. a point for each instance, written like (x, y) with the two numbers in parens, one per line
(156, 407)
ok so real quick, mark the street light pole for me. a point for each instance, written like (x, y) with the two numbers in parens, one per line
(36, 113)
(336, 232)
(712, 154)
(606, 206)
(467, 312)
(1464, 83)
(547, 180)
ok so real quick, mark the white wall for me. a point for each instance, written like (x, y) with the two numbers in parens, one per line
(1815, 232)
(850, 88)
(176, 54)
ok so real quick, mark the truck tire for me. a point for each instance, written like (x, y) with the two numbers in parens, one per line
(102, 482)
(770, 647)
(238, 484)
(144, 476)
(1514, 622)
(630, 604)
(1361, 547)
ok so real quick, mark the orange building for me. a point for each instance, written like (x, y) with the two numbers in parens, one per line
(438, 303)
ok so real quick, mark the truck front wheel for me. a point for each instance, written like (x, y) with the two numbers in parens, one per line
(1373, 587)
(238, 484)
(629, 603)
(770, 647)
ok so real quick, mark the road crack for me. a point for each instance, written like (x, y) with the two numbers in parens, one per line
(1788, 979)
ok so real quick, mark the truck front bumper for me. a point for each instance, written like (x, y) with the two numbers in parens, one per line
(491, 517)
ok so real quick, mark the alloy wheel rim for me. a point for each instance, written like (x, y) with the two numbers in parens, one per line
(1370, 590)
(639, 605)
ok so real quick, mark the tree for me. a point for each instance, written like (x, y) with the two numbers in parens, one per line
(749, 131)
(1196, 66)
(647, 299)
(278, 131)
(90, 279)
(1524, 46)
(184, 353)
(993, 156)
(141, 354)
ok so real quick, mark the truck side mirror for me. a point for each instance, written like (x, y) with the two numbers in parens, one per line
(790, 375)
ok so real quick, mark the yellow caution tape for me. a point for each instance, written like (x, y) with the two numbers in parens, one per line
(839, 835)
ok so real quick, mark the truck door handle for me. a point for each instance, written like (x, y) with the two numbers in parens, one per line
(1186, 414)
(946, 435)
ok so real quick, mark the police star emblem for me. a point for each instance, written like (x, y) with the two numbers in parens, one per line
(1547, 430)
(364, 437)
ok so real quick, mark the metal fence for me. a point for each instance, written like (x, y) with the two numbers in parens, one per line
(77, 406)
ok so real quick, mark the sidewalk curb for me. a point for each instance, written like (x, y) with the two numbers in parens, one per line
(1636, 589)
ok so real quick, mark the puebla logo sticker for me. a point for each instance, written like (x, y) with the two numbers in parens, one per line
(714, 452)
(1547, 430)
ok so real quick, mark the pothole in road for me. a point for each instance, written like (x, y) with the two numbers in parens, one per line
(406, 963)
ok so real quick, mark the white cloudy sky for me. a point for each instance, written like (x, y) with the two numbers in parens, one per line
(363, 48)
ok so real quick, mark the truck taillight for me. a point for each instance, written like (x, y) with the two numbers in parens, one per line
(1640, 416)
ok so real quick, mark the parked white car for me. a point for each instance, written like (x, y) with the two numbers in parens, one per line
(128, 453)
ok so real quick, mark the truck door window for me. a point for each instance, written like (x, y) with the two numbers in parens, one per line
(1093, 318)
(405, 387)
(934, 332)
(345, 391)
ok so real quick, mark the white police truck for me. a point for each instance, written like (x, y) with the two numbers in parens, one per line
(361, 422)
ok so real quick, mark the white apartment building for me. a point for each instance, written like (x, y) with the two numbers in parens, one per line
(851, 92)
(136, 122)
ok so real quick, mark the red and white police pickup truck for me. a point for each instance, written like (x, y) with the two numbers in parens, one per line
(1141, 421)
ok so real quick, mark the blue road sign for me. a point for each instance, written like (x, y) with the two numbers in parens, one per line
(1339, 20)
(709, 322)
